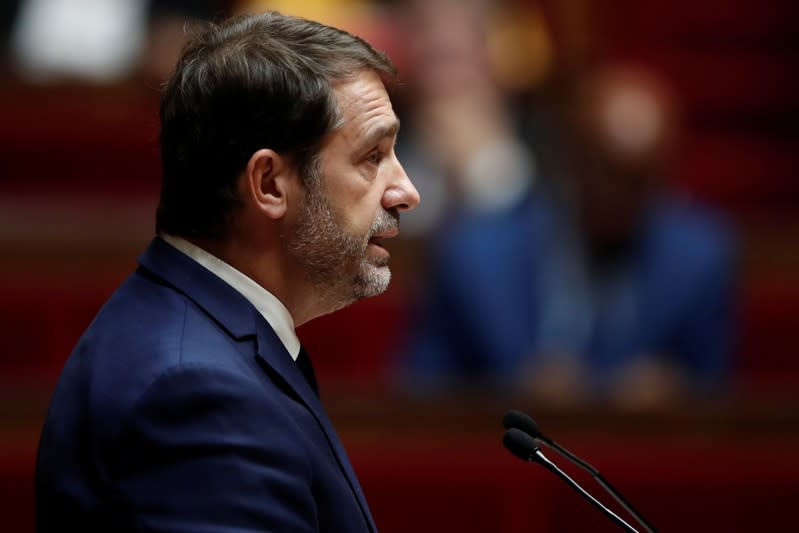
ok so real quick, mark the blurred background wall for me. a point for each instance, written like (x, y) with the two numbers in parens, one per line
(515, 114)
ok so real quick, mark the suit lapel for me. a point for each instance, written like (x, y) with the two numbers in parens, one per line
(272, 353)
(239, 318)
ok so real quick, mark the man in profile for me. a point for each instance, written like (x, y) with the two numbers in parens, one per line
(189, 405)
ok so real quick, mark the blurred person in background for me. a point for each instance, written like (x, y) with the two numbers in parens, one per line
(100, 41)
(459, 123)
(601, 286)
(189, 404)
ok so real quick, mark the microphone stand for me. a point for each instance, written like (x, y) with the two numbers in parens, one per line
(541, 459)
(610, 489)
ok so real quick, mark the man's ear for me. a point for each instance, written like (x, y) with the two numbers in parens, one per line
(267, 182)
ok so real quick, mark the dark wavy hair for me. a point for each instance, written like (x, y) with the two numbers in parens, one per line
(250, 82)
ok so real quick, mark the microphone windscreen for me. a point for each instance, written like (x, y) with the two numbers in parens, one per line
(519, 443)
(520, 420)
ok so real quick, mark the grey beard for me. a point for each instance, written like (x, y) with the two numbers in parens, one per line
(335, 261)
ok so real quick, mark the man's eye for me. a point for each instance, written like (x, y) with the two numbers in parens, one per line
(374, 157)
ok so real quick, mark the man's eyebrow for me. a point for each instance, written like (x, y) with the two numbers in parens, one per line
(380, 132)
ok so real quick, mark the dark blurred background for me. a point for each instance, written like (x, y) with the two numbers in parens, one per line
(608, 239)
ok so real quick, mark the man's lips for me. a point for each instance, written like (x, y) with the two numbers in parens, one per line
(377, 240)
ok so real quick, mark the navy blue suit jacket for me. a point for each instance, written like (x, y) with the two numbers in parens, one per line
(180, 410)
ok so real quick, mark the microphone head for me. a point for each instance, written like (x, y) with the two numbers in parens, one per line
(520, 444)
(522, 421)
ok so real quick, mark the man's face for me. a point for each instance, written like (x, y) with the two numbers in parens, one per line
(354, 202)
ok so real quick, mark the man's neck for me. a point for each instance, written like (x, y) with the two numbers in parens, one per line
(271, 270)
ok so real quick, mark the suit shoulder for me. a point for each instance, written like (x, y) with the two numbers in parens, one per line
(145, 330)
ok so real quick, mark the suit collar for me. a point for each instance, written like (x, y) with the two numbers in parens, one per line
(224, 304)
(240, 319)
(266, 303)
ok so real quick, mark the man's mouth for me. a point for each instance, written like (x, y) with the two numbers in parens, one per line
(378, 240)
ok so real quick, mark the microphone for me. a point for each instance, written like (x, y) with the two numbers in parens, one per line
(522, 421)
(524, 447)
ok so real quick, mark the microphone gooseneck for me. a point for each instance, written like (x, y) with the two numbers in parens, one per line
(525, 448)
(523, 421)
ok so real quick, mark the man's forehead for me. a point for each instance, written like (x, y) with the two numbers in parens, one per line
(365, 106)
(364, 93)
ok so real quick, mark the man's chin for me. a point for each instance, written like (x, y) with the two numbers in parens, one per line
(376, 256)
(374, 279)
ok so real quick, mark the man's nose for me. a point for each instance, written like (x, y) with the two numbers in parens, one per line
(400, 193)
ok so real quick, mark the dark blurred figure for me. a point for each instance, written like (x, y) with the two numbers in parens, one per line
(601, 286)
(167, 26)
(8, 14)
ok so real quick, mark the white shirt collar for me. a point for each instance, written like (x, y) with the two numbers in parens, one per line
(272, 309)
